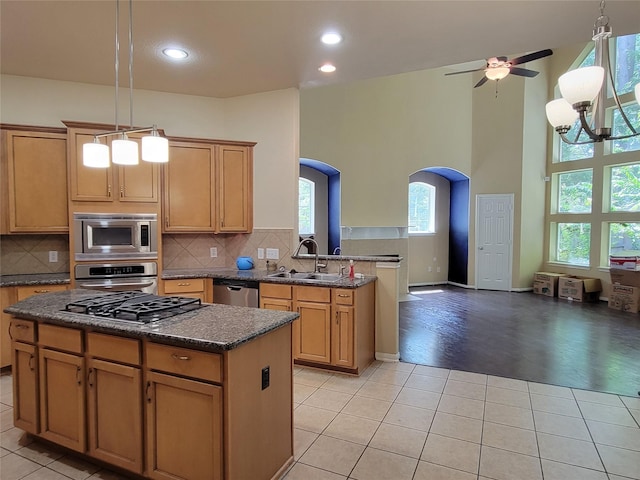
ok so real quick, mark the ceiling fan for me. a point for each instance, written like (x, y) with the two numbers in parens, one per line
(499, 67)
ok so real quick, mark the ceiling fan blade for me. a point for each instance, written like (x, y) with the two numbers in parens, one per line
(523, 72)
(531, 56)
(482, 81)
(466, 71)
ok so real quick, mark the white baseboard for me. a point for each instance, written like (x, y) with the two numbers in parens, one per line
(462, 285)
(388, 357)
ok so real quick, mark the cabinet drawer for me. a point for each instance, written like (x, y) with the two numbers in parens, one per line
(313, 294)
(27, 291)
(110, 347)
(183, 361)
(273, 290)
(184, 285)
(343, 296)
(60, 338)
(22, 330)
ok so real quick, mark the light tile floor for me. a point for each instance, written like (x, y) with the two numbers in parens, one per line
(402, 421)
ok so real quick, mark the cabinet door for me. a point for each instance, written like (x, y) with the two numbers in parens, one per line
(235, 189)
(138, 183)
(87, 184)
(37, 182)
(62, 408)
(25, 387)
(184, 428)
(189, 180)
(312, 332)
(115, 414)
(27, 291)
(275, 304)
(342, 337)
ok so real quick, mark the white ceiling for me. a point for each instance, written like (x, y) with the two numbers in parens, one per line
(243, 47)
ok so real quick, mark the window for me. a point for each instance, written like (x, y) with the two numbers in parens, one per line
(574, 192)
(422, 198)
(623, 236)
(619, 127)
(625, 188)
(573, 243)
(306, 206)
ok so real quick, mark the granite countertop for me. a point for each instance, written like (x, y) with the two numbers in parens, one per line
(261, 276)
(35, 279)
(213, 327)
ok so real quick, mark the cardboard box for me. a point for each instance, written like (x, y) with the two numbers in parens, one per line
(546, 283)
(624, 298)
(620, 276)
(627, 262)
(579, 289)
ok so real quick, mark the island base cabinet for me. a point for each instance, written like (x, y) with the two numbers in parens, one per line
(115, 414)
(25, 387)
(184, 428)
(343, 338)
(62, 408)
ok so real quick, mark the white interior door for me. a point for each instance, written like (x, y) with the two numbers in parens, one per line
(494, 233)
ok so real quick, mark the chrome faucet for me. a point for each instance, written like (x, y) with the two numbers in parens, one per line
(317, 264)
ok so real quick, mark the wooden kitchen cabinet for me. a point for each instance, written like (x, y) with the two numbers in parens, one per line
(7, 297)
(201, 288)
(34, 181)
(114, 401)
(336, 327)
(25, 291)
(208, 187)
(62, 386)
(26, 403)
(120, 184)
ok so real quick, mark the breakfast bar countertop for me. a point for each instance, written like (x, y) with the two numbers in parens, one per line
(213, 327)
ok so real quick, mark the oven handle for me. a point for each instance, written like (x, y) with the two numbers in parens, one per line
(111, 286)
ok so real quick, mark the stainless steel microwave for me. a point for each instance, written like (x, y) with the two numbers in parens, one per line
(106, 236)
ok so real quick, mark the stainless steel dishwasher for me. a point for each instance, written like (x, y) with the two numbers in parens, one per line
(242, 293)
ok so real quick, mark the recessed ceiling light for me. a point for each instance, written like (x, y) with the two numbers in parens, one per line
(176, 53)
(331, 38)
(327, 68)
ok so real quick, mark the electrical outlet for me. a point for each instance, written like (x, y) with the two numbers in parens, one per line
(265, 378)
(273, 253)
(260, 253)
(429, 269)
(438, 269)
(213, 251)
(435, 259)
(53, 256)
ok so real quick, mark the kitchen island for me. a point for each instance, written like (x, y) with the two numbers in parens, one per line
(206, 394)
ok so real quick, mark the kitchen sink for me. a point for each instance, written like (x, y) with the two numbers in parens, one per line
(311, 276)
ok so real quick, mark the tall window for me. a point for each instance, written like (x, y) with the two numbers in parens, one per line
(422, 199)
(306, 206)
(595, 190)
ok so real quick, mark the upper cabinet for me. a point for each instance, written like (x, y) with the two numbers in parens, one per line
(34, 181)
(127, 184)
(208, 187)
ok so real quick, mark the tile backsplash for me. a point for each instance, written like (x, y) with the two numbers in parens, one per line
(24, 254)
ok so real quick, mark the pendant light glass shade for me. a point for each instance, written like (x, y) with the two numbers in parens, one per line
(560, 113)
(124, 151)
(155, 148)
(497, 73)
(95, 155)
(581, 84)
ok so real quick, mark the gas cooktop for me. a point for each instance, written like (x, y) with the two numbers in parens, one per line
(134, 306)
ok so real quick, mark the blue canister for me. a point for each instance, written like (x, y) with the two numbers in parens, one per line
(244, 263)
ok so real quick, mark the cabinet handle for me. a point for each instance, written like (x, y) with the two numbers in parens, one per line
(24, 327)
(342, 295)
(147, 392)
(10, 335)
(175, 356)
(109, 190)
(337, 318)
(31, 358)
(42, 291)
(166, 221)
(121, 191)
(186, 284)
(90, 377)
(78, 376)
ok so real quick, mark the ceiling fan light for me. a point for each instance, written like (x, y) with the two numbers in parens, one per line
(95, 155)
(155, 148)
(124, 151)
(582, 84)
(497, 73)
(560, 113)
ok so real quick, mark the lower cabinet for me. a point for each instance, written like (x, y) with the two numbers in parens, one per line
(189, 410)
(336, 328)
(25, 392)
(201, 288)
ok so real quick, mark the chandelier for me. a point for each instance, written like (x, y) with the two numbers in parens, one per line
(124, 151)
(584, 91)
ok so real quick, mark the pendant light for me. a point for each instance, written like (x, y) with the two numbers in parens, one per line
(124, 151)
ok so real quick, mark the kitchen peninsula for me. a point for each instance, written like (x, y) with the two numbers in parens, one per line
(205, 394)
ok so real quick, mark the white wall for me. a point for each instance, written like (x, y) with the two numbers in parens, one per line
(271, 119)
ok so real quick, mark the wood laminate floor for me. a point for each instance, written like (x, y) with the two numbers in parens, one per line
(523, 336)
